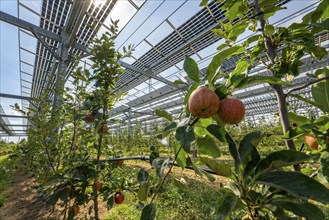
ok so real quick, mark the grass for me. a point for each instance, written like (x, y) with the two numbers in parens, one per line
(6, 167)
(194, 200)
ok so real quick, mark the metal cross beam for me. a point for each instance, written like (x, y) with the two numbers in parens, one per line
(15, 97)
(17, 125)
(148, 74)
(42, 32)
(13, 116)
(20, 134)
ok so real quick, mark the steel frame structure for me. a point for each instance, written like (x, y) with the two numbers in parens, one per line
(65, 30)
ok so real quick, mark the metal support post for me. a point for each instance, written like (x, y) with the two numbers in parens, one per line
(60, 76)
(129, 124)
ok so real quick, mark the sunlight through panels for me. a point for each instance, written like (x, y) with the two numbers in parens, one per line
(34, 5)
(129, 60)
(292, 7)
(141, 49)
(9, 7)
(142, 86)
(139, 3)
(189, 9)
(150, 23)
(169, 72)
(27, 69)
(122, 11)
(135, 24)
(27, 56)
(28, 42)
(158, 85)
(28, 16)
(211, 49)
(159, 33)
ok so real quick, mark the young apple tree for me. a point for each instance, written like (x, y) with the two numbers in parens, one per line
(263, 188)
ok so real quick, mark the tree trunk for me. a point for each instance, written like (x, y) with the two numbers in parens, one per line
(283, 111)
(280, 96)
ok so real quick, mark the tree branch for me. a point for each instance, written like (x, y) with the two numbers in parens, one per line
(305, 85)
(165, 177)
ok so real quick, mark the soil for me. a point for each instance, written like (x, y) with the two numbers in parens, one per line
(24, 204)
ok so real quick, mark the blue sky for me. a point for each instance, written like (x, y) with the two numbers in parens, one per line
(147, 23)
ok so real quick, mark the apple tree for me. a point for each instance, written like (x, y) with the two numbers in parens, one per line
(273, 186)
(66, 145)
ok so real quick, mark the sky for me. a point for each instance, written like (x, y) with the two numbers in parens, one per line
(148, 23)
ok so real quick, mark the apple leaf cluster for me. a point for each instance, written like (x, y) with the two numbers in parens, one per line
(265, 187)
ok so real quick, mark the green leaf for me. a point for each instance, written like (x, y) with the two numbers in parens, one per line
(201, 127)
(232, 148)
(271, 11)
(246, 145)
(322, 122)
(220, 167)
(65, 193)
(317, 52)
(220, 57)
(200, 172)
(180, 82)
(143, 176)
(192, 69)
(87, 72)
(163, 140)
(267, 3)
(185, 135)
(237, 30)
(53, 198)
(231, 14)
(294, 133)
(296, 184)
(324, 167)
(320, 92)
(203, 3)
(153, 155)
(149, 212)
(303, 209)
(280, 159)
(163, 114)
(299, 120)
(221, 91)
(208, 146)
(266, 79)
(71, 214)
(168, 129)
(281, 214)
(218, 131)
(252, 39)
(322, 11)
(143, 191)
(225, 204)
(160, 164)
(255, 158)
(269, 30)
(181, 158)
(241, 66)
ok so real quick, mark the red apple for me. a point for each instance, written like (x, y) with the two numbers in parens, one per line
(203, 103)
(311, 141)
(231, 111)
(98, 185)
(76, 210)
(120, 162)
(89, 118)
(104, 129)
(119, 198)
